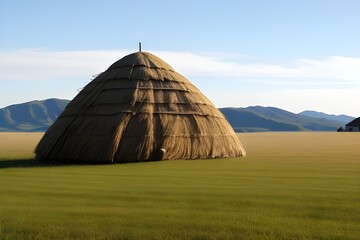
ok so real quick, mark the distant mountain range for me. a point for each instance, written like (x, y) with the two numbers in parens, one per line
(257, 118)
(321, 115)
(37, 116)
(34, 116)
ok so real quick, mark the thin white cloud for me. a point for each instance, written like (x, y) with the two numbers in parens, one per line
(34, 64)
(337, 67)
(345, 69)
(37, 64)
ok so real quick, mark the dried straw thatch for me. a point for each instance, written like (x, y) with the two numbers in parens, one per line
(139, 109)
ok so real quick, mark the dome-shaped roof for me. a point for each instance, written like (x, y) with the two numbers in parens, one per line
(139, 109)
(142, 59)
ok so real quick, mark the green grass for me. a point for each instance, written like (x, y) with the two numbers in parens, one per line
(290, 186)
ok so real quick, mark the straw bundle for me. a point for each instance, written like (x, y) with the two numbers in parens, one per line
(139, 109)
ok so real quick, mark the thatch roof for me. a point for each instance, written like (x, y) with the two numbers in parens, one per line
(139, 109)
(354, 123)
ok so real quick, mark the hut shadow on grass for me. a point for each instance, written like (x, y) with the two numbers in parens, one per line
(30, 163)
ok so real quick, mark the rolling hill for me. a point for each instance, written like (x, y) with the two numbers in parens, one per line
(257, 118)
(338, 118)
(34, 116)
(37, 116)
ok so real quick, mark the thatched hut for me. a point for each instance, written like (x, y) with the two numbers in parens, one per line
(139, 109)
(353, 126)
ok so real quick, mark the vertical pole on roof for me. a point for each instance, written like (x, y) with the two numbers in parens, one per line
(139, 46)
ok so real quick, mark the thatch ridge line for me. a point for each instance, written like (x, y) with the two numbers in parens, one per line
(189, 103)
(147, 112)
(162, 135)
(149, 102)
(141, 65)
(146, 88)
(166, 89)
(144, 80)
(183, 135)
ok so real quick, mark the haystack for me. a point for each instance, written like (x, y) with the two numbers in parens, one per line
(139, 109)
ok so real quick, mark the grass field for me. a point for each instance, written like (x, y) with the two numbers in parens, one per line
(290, 186)
(15, 146)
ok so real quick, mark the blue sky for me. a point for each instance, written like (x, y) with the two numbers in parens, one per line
(295, 55)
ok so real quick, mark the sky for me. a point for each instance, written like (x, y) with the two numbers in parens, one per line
(296, 55)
